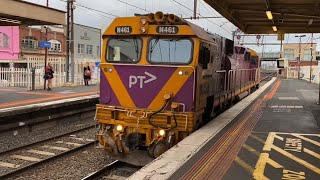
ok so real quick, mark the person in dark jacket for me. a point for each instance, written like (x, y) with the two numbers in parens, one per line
(49, 76)
(86, 74)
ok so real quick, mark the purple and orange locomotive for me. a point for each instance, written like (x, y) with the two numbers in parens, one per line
(162, 78)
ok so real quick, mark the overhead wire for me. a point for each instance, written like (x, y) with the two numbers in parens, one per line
(174, 4)
(133, 6)
(202, 16)
(87, 10)
(210, 12)
(96, 10)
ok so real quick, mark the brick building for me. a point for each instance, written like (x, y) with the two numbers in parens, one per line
(30, 37)
(23, 44)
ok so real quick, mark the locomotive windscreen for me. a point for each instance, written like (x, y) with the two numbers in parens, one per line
(170, 50)
(124, 49)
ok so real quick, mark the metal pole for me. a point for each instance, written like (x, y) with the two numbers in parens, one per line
(68, 41)
(299, 58)
(319, 86)
(281, 49)
(311, 56)
(233, 35)
(46, 54)
(195, 9)
(72, 43)
(33, 79)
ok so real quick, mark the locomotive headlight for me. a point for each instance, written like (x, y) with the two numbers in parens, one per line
(162, 132)
(119, 128)
(143, 29)
(143, 21)
(180, 73)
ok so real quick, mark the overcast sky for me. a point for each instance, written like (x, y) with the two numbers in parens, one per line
(219, 26)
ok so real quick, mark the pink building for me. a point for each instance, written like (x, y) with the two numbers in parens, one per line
(9, 43)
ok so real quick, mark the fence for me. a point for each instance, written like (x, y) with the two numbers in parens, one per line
(13, 77)
(22, 77)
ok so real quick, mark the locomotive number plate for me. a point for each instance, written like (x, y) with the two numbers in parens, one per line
(167, 29)
(123, 30)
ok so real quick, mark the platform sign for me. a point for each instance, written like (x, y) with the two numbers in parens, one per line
(44, 44)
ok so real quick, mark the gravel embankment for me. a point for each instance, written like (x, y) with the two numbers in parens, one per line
(75, 166)
(22, 137)
(85, 137)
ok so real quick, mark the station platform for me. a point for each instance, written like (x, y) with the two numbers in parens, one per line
(14, 96)
(20, 107)
(271, 134)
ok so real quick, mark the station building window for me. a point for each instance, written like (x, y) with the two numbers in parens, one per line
(4, 40)
(55, 46)
(89, 49)
(289, 54)
(29, 42)
(80, 48)
(307, 55)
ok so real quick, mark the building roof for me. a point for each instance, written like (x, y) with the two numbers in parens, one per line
(17, 12)
(289, 16)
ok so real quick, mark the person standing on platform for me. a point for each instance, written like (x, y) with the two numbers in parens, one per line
(49, 76)
(86, 74)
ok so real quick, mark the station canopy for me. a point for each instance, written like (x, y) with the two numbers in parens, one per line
(17, 12)
(270, 16)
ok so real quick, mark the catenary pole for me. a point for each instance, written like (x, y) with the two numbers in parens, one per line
(46, 52)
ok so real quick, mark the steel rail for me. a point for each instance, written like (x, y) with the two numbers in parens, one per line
(33, 165)
(44, 140)
(97, 174)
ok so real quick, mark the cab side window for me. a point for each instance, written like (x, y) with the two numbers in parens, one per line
(204, 56)
(247, 56)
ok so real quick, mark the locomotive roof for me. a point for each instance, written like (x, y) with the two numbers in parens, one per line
(187, 28)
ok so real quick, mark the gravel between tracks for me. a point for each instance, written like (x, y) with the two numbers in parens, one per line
(75, 166)
(22, 137)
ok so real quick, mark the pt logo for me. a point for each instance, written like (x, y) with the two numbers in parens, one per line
(133, 80)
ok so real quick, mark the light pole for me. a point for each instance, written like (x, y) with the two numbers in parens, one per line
(311, 48)
(46, 53)
(299, 54)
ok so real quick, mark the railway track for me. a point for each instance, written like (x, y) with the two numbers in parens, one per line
(116, 170)
(268, 76)
(18, 160)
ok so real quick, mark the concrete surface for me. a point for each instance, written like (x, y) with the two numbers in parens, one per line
(13, 97)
